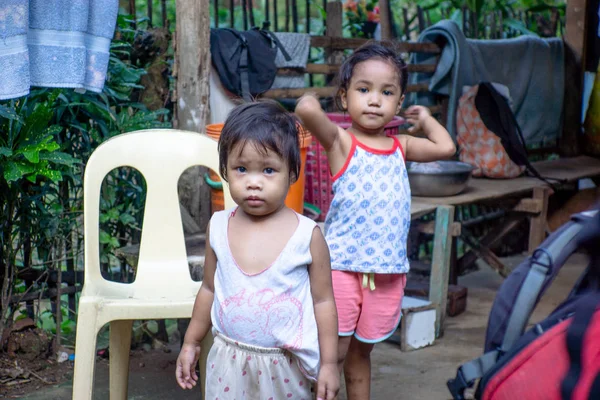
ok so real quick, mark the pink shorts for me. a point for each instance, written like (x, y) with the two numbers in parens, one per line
(370, 314)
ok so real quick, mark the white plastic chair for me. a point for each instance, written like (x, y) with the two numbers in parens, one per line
(163, 287)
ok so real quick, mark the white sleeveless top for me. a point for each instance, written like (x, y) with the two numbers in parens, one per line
(273, 308)
(367, 225)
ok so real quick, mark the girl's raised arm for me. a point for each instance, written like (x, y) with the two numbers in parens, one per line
(437, 145)
(309, 110)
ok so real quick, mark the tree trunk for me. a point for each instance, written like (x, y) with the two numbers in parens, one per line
(385, 20)
(7, 264)
(192, 109)
(574, 42)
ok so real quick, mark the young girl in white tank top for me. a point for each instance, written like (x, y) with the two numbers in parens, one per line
(267, 279)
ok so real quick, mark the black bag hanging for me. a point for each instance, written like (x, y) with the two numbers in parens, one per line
(497, 116)
(245, 60)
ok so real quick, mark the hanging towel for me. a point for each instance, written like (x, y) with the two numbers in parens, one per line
(531, 67)
(55, 43)
(14, 57)
(298, 46)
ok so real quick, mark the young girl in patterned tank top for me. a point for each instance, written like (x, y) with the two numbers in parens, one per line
(367, 225)
(267, 289)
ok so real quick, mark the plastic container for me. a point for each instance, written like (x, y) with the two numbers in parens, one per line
(295, 196)
(318, 189)
(217, 199)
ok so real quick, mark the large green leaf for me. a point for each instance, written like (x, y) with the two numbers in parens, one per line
(32, 155)
(16, 170)
(37, 122)
(518, 26)
(53, 130)
(127, 219)
(546, 7)
(67, 326)
(59, 157)
(51, 174)
(32, 151)
(9, 113)
(104, 237)
(5, 152)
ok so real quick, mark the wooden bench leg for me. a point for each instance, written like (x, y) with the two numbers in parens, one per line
(489, 240)
(482, 251)
(537, 225)
(440, 264)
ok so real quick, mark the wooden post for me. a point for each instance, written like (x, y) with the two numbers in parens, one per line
(574, 42)
(295, 15)
(216, 12)
(333, 28)
(385, 19)
(438, 281)
(537, 224)
(333, 24)
(132, 13)
(192, 110)
(421, 19)
(287, 15)
(275, 16)
(149, 2)
(163, 11)
(307, 8)
(245, 14)
(406, 23)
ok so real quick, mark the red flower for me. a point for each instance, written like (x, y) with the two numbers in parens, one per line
(351, 5)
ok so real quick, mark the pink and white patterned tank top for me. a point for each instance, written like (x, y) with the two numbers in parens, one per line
(273, 308)
(367, 225)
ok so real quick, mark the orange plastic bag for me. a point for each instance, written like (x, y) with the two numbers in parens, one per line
(478, 145)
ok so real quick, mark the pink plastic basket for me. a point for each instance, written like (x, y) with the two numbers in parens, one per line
(317, 188)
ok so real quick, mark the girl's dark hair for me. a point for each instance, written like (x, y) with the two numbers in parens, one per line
(268, 126)
(368, 51)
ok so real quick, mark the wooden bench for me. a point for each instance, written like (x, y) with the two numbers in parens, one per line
(523, 197)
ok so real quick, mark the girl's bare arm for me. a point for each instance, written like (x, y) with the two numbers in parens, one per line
(322, 294)
(328, 381)
(437, 144)
(200, 323)
(185, 371)
(309, 110)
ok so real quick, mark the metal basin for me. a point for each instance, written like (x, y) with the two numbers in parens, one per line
(439, 178)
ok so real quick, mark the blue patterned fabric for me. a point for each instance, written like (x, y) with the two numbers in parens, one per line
(369, 218)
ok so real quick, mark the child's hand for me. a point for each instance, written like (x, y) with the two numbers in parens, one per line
(328, 383)
(186, 366)
(307, 95)
(416, 116)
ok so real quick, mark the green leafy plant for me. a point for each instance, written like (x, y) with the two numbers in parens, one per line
(29, 160)
(45, 141)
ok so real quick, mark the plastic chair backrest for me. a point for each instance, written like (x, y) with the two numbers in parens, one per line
(161, 156)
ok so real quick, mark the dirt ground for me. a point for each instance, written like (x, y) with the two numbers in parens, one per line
(420, 374)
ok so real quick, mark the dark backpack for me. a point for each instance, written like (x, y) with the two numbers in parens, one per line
(245, 60)
(497, 116)
(510, 352)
